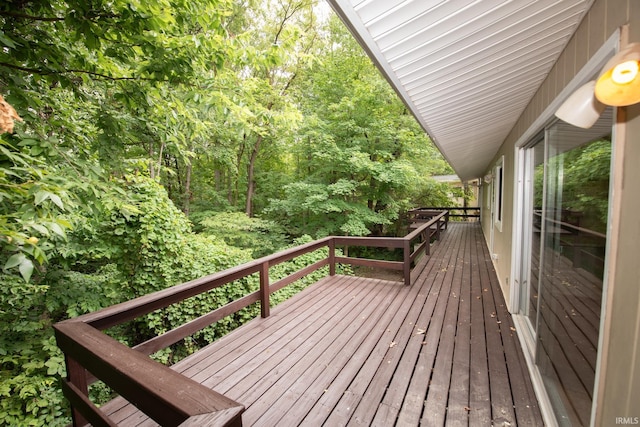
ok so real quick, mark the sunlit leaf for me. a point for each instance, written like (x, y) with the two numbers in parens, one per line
(26, 269)
(57, 200)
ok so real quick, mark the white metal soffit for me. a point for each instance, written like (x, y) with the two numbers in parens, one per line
(466, 68)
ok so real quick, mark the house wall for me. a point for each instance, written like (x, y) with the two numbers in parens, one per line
(618, 381)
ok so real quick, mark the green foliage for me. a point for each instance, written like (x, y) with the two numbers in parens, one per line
(29, 384)
(586, 188)
(151, 244)
(322, 210)
(361, 159)
(31, 365)
(585, 182)
(261, 237)
(434, 193)
(201, 256)
(34, 199)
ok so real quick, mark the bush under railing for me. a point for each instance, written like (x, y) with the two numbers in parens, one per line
(160, 392)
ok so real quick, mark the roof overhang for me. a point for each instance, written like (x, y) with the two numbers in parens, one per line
(465, 68)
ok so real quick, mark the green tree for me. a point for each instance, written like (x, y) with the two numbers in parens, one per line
(360, 158)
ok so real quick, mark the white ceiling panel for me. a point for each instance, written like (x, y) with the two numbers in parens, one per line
(466, 68)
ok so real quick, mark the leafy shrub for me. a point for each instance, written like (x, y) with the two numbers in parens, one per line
(31, 364)
(262, 237)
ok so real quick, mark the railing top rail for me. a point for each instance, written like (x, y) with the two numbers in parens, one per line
(440, 208)
(454, 212)
(424, 226)
(572, 227)
(382, 242)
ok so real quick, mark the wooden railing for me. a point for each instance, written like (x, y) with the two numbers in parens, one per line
(578, 240)
(455, 213)
(165, 395)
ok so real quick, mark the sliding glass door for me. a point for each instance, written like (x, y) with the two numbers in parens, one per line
(533, 190)
(565, 210)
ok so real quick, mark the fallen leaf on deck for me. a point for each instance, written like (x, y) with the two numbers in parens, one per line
(421, 331)
(393, 344)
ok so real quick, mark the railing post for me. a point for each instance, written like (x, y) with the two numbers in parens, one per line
(577, 249)
(407, 262)
(426, 237)
(332, 257)
(77, 376)
(264, 290)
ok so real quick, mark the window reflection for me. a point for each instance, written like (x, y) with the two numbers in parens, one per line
(569, 222)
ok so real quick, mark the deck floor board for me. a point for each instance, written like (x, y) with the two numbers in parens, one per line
(362, 351)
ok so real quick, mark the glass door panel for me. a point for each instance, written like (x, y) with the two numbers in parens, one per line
(533, 206)
(571, 196)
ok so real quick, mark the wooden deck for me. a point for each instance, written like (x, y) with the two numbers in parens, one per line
(359, 351)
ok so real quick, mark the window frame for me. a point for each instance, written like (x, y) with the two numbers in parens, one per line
(498, 193)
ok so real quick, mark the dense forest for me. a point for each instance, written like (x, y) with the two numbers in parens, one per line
(146, 143)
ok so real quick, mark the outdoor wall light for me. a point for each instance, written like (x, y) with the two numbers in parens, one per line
(618, 86)
(581, 109)
(619, 81)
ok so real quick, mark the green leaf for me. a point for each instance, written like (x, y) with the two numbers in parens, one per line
(56, 199)
(40, 228)
(14, 260)
(41, 196)
(26, 269)
(7, 41)
(57, 229)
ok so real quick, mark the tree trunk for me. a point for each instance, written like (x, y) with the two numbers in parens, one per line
(229, 185)
(465, 191)
(153, 175)
(217, 178)
(236, 190)
(187, 189)
(152, 169)
(250, 180)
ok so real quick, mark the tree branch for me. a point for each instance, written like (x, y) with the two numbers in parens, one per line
(104, 76)
(30, 17)
(91, 73)
(90, 16)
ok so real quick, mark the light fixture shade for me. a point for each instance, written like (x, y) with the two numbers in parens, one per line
(581, 109)
(619, 81)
